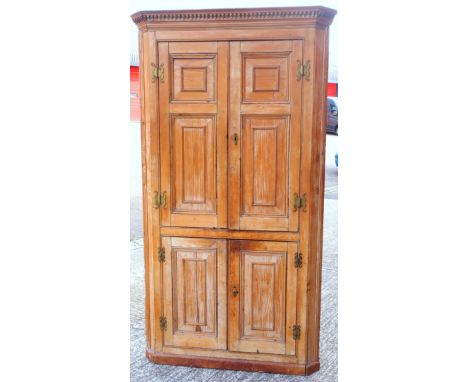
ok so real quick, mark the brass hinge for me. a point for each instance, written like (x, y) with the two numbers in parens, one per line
(158, 72)
(162, 323)
(298, 260)
(296, 332)
(161, 254)
(303, 70)
(300, 202)
(159, 200)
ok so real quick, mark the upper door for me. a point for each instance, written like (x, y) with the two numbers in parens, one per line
(193, 127)
(264, 134)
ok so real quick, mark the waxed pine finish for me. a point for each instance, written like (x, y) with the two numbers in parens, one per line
(233, 115)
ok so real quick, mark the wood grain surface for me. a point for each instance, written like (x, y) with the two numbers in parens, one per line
(231, 133)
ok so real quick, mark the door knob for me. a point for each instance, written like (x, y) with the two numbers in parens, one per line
(234, 291)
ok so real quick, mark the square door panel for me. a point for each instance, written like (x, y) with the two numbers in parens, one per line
(193, 145)
(265, 77)
(193, 78)
(265, 166)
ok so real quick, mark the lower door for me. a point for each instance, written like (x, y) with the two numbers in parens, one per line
(262, 296)
(194, 289)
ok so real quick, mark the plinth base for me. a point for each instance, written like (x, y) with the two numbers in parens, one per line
(231, 364)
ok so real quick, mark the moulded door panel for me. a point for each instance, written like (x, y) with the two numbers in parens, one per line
(193, 160)
(194, 279)
(264, 169)
(262, 297)
(193, 77)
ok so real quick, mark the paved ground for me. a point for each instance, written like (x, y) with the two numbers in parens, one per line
(136, 207)
(331, 171)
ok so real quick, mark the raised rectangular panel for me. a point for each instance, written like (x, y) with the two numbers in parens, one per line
(265, 77)
(263, 279)
(193, 77)
(264, 276)
(194, 285)
(265, 166)
(195, 292)
(193, 146)
(265, 141)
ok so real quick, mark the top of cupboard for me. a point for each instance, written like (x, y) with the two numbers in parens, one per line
(317, 16)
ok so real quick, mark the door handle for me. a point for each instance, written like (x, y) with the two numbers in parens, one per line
(234, 291)
(236, 138)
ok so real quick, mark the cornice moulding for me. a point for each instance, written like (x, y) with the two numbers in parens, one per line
(316, 15)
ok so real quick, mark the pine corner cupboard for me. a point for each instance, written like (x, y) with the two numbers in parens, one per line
(233, 116)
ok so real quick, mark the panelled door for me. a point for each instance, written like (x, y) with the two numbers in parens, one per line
(262, 296)
(264, 133)
(194, 280)
(193, 127)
